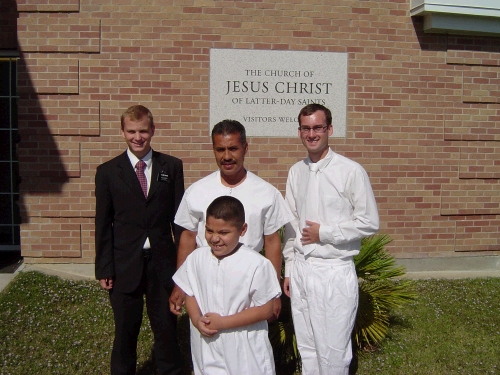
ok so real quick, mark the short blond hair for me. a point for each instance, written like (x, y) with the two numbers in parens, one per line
(136, 113)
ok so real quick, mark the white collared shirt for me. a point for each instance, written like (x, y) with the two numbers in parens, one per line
(347, 210)
(148, 159)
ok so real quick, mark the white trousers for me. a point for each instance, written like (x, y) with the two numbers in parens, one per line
(324, 299)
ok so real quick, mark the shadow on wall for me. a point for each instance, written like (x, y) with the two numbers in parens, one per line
(428, 42)
(41, 168)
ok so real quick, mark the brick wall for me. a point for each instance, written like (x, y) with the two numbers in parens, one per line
(423, 110)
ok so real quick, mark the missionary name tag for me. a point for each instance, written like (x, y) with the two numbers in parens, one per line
(162, 177)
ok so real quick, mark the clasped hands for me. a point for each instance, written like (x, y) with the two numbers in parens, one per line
(209, 324)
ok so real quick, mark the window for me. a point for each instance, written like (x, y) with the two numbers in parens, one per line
(9, 166)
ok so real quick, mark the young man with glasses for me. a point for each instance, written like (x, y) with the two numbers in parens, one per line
(334, 208)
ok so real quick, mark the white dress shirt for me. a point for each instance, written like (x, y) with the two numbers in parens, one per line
(347, 210)
(147, 171)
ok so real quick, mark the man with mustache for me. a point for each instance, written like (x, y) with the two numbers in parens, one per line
(265, 208)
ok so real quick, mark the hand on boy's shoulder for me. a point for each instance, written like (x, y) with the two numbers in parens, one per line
(276, 310)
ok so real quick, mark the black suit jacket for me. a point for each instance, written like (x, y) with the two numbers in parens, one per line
(125, 218)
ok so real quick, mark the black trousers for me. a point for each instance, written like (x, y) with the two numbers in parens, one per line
(127, 310)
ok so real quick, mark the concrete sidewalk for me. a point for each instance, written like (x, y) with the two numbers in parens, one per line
(423, 269)
(65, 271)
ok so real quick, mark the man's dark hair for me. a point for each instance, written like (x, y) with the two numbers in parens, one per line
(226, 127)
(309, 109)
(228, 209)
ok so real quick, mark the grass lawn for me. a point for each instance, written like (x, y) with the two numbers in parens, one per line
(453, 328)
(54, 326)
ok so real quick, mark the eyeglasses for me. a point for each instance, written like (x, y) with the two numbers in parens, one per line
(319, 129)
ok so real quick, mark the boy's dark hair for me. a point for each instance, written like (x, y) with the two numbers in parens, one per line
(309, 109)
(228, 209)
(226, 127)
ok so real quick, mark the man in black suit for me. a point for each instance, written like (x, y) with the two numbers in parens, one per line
(137, 195)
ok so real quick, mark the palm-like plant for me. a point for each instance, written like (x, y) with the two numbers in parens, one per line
(282, 338)
(380, 292)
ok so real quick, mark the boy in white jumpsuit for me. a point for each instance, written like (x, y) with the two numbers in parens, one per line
(334, 207)
(229, 297)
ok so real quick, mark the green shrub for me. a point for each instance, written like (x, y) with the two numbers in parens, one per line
(380, 291)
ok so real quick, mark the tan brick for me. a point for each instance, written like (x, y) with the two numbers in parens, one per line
(481, 85)
(48, 74)
(58, 32)
(48, 6)
(431, 158)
